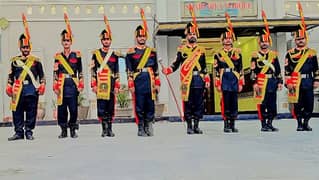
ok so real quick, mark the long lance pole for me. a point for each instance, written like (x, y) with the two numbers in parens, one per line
(172, 91)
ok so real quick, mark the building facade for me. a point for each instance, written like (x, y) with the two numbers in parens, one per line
(86, 17)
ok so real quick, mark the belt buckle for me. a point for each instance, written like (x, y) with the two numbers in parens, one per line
(25, 82)
(67, 76)
(144, 70)
(269, 75)
(195, 73)
(227, 69)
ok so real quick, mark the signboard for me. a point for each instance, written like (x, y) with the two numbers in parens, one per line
(217, 8)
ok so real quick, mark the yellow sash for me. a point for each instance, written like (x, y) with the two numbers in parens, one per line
(61, 77)
(186, 72)
(103, 79)
(259, 96)
(144, 58)
(18, 84)
(293, 95)
(229, 63)
(141, 65)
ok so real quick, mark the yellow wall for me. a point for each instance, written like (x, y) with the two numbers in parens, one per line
(247, 46)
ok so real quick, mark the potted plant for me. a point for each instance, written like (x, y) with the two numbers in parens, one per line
(54, 109)
(41, 110)
(123, 103)
(83, 107)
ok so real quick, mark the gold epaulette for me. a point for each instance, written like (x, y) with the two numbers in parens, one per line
(254, 54)
(291, 50)
(15, 58)
(202, 49)
(95, 51)
(180, 48)
(131, 50)
(57, 54)
(275, 52)
(78, 53)
(117, 53)
(36, 58)
(312, 52)
(237, 50)
(153, 49)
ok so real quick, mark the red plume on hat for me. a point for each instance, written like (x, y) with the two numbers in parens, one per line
(194, 27)
(230, 31)
(265, 36)
(142, 29)
(25, 39)
(107, 32)
(68, 26)
(302, 30)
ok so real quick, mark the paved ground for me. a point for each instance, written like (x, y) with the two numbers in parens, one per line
(169, 155)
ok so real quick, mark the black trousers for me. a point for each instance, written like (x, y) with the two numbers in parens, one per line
(105, 108)
(304, 107)
(268, 107)
(27, 104)
(144, 107)
(69, 104)
(194, 107)
(230, 100)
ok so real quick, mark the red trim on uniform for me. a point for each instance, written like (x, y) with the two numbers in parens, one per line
(41, 89)
(93, 84)
(81, 85)
(241, 82)
(217, 83)
(293, 113)
(114, 104)
(259, 112)
(134, 108)
(207, 78)
(157, 82)
(56, 86)
(9, 90)
(117, 84)
(222, 108)
(130, 83)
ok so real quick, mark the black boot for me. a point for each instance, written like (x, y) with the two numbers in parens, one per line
(227, 128)
(306, 126)
(109, 129)
(141, 131)
(232, 126)
(148, 128)
(64, 133)
(269, 124)
(104, 128)
(196, 127)
(264, 126)
(73, 133)
(299, 124)
(189, 126)
(15, 137)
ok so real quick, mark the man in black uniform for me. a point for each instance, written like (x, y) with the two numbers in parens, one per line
(229, 77)
(68, 82)
(24, 89)
(143, 80)
(302, 76)
(105, 80)
(194, 78)
(266, 77)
